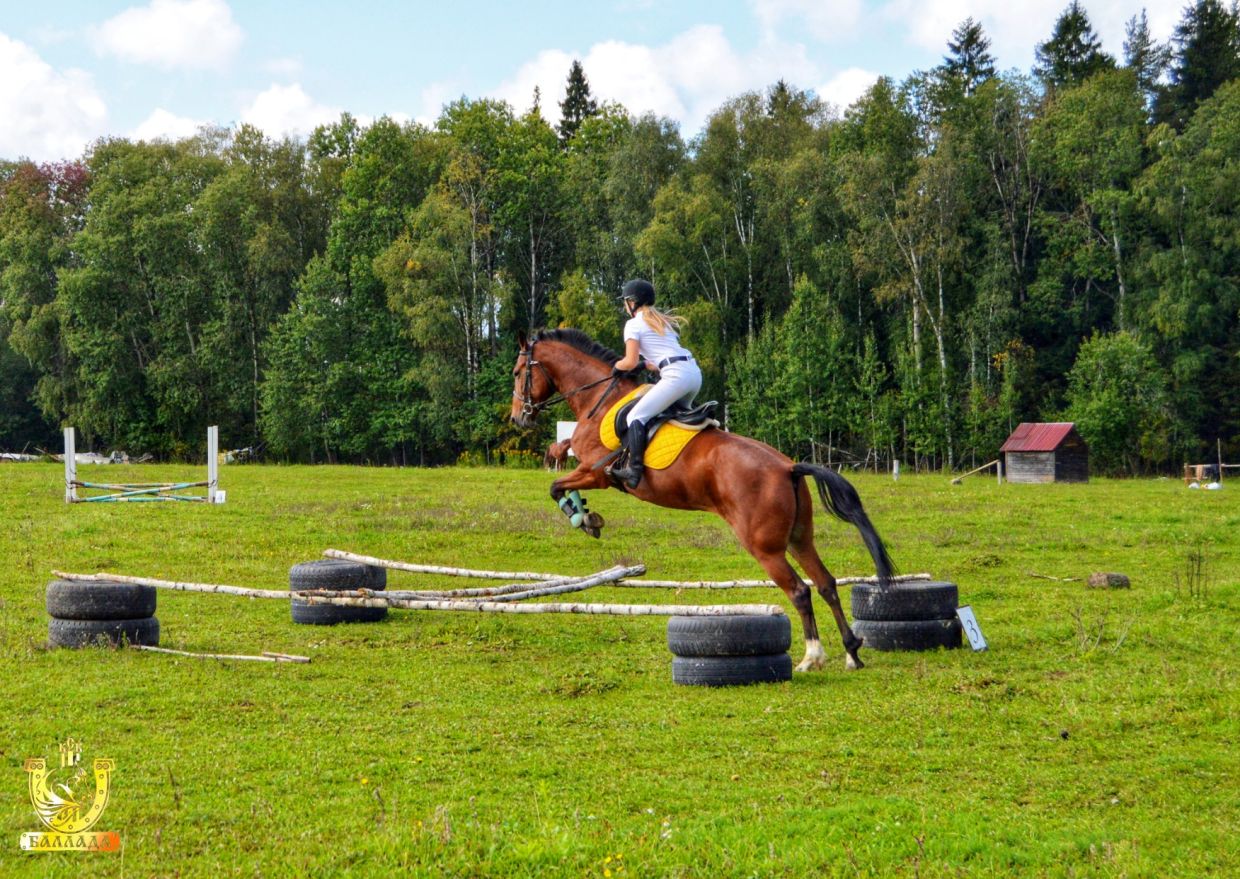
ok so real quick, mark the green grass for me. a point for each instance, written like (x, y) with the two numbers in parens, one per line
(1097, 737)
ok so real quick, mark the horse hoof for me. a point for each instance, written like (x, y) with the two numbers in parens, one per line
(852, 662)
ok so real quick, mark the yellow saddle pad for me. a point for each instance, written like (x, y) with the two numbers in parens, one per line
(669, 440)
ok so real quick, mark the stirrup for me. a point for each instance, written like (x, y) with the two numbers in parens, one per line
(629, 475)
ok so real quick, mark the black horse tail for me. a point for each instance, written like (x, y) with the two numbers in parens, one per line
(843, 502)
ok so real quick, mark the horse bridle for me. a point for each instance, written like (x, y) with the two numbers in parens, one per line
(531, 408)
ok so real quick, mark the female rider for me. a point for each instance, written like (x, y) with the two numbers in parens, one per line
(650, 338)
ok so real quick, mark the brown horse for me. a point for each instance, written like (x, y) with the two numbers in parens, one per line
(758, 491)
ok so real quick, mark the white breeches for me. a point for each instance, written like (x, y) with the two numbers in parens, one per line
(678, 382)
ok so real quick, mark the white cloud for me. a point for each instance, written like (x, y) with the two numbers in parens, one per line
(162, 125)
(47, 114)
(287, 110)
(845, 87)
(172, 34)
(1015, 27)
(826, 20)
(687, 79)
(435, 96)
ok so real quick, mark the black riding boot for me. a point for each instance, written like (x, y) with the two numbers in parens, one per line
(635, 442)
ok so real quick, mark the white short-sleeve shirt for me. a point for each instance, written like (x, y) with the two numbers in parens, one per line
(653, 346)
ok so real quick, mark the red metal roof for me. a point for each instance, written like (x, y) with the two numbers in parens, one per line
(1037, 437)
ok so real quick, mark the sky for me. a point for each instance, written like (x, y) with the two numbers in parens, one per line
(72, 71)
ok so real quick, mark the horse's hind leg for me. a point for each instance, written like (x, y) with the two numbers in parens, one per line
(802, 549)
(777, 565)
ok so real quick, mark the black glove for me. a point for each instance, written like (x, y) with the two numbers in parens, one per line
(617, 372)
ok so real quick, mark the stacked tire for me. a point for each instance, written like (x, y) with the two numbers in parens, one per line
(724, 651)
(105, 612)
(911, 615)
(335, 575)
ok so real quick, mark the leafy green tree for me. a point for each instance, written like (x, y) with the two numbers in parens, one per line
(1145, 57)
(258, 224)
(580, 304)
(1073, 53)
(1089, 143)
(577, 105)
(968, 62)
(1191, 194)
(1117, 395)
(137, 304)
(1206, 54)
(531, 211)
(41, 209)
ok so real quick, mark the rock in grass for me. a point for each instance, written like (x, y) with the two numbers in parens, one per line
(1105, 580)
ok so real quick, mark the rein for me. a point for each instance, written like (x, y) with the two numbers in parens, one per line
(531, 408)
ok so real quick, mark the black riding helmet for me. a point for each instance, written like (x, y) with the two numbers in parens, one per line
(641, 292)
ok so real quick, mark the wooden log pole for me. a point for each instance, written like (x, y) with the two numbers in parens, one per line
(994, 463)
(753, 584)
(556, 579)
(265, 657)
(283, 594)
(438, 569)
(669, 610)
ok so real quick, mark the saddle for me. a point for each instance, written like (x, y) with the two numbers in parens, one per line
(669, 431)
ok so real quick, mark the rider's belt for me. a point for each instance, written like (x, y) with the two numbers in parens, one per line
(668, 360)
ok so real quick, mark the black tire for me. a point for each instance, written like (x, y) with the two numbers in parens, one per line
(99, 600)
(750, 635)
(337, 575)
(908, 634)
(729, 671)
(906, 601)
(81, 633)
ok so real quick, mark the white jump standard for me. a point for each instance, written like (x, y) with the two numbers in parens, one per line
(141, 491)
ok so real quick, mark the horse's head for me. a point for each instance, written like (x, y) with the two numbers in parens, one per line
(531, 384)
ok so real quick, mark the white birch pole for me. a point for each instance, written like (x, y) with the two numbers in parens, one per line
(70, 465)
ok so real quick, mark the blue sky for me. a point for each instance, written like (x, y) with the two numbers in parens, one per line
(75, 70)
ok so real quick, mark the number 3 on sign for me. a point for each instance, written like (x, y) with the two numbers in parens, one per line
(971, 629)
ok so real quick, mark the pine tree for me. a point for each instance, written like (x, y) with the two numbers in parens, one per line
(1206, 55)
(1145, 57)
(970, 61)
(1073, 53)
(577, 105)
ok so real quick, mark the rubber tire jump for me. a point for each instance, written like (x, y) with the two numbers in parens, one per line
(751, 635)
(336, 575)
(99, 600)
(908, 634)
(905, 601)
(83, 633)
(729, 671)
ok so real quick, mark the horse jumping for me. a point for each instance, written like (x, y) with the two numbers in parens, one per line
(753, 487)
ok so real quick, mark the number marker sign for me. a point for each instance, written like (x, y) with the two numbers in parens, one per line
(971, 629)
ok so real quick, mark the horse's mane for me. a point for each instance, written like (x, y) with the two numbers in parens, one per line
(579, 340)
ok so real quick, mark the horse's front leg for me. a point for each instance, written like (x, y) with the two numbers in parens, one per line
(566, 492)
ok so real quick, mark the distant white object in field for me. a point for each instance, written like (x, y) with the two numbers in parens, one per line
(1214, 486)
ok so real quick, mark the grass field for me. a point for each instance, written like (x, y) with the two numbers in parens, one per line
(1098, 737)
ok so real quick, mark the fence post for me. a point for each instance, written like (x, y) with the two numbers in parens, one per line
(213, 462)
(70, 466)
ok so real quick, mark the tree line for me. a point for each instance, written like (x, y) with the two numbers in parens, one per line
(910, 278)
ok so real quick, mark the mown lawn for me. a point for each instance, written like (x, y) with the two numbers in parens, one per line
(1098, 736)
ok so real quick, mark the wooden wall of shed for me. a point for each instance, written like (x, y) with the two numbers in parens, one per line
(1072, 463)
(1029, 466)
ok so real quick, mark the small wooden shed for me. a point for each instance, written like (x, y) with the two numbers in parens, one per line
(1052, 452)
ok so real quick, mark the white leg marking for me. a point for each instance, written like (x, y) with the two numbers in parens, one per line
(815, 657)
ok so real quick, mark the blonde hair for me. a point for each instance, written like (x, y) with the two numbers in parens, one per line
(661, 321)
